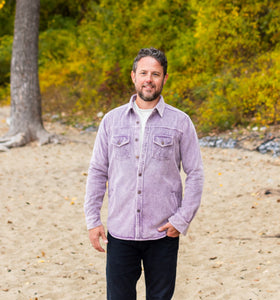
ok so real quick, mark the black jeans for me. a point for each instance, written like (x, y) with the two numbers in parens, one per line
(124, 268)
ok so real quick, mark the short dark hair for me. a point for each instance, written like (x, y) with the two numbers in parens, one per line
(155, 53)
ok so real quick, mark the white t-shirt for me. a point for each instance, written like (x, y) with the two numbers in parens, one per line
(144, 115)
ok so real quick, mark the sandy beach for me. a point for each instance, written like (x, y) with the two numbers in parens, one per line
(231, 251)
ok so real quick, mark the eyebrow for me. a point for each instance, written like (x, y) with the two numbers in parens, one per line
(143, 70)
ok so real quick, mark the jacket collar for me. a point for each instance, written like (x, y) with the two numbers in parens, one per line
(159, 107)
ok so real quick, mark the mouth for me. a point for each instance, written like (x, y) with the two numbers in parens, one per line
(148, 87)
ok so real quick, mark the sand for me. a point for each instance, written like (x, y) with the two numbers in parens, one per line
(231, 251)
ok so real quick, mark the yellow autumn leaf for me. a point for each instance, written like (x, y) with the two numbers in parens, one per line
(41, 261)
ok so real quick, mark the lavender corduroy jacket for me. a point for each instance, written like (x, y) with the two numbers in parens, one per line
(145, 188)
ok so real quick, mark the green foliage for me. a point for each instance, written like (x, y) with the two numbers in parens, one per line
(113, 32)
(54, 13)
(230, 63)
(223, 56)
(56, 46)
(7, 9)
(5, 58)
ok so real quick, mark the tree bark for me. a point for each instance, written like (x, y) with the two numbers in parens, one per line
(26, 123)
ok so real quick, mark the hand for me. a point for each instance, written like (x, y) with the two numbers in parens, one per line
(171, 231)
(95, 234)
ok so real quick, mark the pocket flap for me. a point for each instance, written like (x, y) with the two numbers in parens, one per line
(163, 141)
(120, 140)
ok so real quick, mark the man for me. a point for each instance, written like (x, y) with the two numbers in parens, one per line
(138, 150)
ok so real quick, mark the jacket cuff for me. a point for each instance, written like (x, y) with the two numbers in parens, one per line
(179, 224)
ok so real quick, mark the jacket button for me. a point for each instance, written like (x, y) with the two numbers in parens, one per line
(139, 192)
(140, 174)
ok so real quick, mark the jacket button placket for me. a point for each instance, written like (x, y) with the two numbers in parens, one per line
(140, 178)
(138, 184)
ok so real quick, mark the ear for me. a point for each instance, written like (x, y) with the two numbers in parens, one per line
(165, 78)
(133, 76)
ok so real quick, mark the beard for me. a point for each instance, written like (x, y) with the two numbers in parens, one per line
(149, 96)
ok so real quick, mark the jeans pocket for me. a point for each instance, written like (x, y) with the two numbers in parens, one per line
(172, 239)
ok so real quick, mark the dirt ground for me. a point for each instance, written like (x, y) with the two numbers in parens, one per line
(230, 252)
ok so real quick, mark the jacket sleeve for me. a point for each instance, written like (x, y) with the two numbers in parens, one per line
(97, 178)
(193, 167)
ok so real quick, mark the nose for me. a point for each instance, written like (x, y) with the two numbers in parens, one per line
(149, 78)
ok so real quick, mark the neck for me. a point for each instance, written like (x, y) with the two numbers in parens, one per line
(146, 104)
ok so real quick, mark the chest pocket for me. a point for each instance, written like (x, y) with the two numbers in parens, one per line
(121, 147)
(162, 147)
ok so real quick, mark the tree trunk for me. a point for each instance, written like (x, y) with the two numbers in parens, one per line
(26, 118)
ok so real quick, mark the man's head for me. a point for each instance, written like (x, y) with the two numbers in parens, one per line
(149, 74)
(152, 52)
